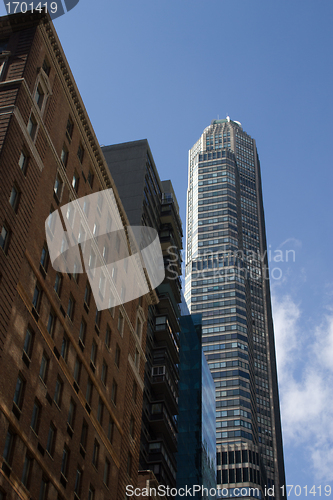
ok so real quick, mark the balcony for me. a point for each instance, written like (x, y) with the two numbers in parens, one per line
(162, 423)
(169, 215)
(164, 336)
(165, 386)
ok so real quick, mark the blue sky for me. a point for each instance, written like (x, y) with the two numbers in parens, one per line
(162, 70)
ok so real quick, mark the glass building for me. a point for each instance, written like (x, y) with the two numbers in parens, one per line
(196, 457)
(227, 282)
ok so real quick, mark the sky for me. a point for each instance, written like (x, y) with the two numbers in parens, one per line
(163, 70)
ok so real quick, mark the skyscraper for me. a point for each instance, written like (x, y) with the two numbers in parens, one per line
(227, 281)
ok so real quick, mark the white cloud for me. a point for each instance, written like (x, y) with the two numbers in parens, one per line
(305, 369)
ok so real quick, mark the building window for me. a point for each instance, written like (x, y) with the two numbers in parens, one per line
(51, 323)
(97, 318)
(138, 328)
(44, 259)
(58, 392)
(19, 392)
(71, 307)
(84, 435)
(108, 337)
(23, 162)
(120, 323)
(110, 429)
(64, 348)
(89, 391)
(57, 284)
(93, 353)
(65, 461)
(87, 295)
(83, 330)
(58, 184)
(39, 96)
(64, 156)
(28, 342)
(100, 411)
(71, 414)
(114, 392)
(32, 126)
(137, 358)
(104, 373)
(4, 238)
(78, 481)
(80, 153)
(117, 356)
(8, 451)
(46, 67)
(91, 493)
(44, 486)
(132, 427)
(36, 300)
(95, 454)
(51, 439)
(75, 181)
(77, 371)
(90, 178)
(69, 128)
(26, 474)
(106, 475)
(14, 198)
(36, 414)
(44, 366)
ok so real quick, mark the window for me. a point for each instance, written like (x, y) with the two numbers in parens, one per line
(9, 447)
(23, 162)
(26, 474)
(91, 493)
(93, 353)
(106, 474)
(104, 372)
(51, 439)
(138, 328)
(83, 330)
(19, 392)
(132, 427)
(87, 294)
(32, 126)
(4, 238)
(137, 358)
(14, 198)
(90, 178)
(108, 337)
(39, 96)
(70, 307)
(80, 153)
(36, 413)
(114, 392)
(44, 486)
(71, 414)
(46, 67)
(44, 368)
(65, 461)
(28, 342)
(117, 356)
(77, 371)
(57, 284)
(110, 429)
(95, 454)
(84, 435)
(37, 297)
(58, 392)
(64, 156)
(58, 187)
(78, 480)
(100, 410)
(120, 323)
(64, 347)
(97, 318)
(44, 259)
(89, 391)
(69, 128)
(75, 181)
(51, 322)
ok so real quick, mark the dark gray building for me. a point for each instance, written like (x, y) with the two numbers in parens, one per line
(227, 282)
(150, 202)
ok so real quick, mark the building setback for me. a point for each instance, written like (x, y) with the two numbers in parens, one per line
(71, 378)
(227, 282)
(150, 202)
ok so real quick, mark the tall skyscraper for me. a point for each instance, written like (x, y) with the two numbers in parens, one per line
(227, 281)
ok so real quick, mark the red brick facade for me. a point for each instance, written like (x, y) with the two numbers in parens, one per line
(49, 400)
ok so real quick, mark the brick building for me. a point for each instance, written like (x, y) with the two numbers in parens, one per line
(71, 378)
